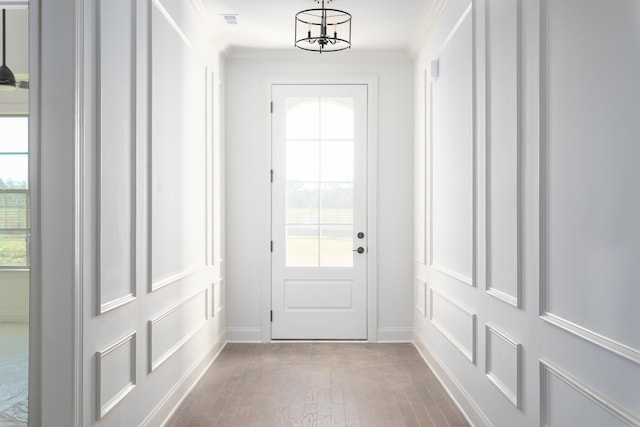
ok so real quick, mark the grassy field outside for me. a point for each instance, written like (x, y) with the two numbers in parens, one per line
(325, 216)
(310, 251)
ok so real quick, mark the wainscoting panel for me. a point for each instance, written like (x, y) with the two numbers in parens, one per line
(420, 232)
(565, 401)
(169, 331)
(420, 296)
(455, 322)
(217, 297)
(503, 363)
(546, 224)
(590, 245)
(452, 155)
(178, 211)
(503, 141)
(211, 184)
(147, 205)
(116, 373)
(116, 140)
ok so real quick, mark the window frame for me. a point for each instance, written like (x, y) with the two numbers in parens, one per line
(26, 192)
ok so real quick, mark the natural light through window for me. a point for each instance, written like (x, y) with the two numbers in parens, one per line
(319, 182)
(14, 192)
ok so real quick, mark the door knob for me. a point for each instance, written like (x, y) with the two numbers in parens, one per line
(360, 250)
(361, 235)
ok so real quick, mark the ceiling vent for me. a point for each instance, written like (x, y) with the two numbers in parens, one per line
(230, 19)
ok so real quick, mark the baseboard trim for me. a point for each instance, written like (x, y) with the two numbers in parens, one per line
(244, 335)
(172, 400)
(454, 389)
(254, 335)
(388, 335)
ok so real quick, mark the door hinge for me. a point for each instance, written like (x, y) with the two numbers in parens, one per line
(272, 175)
(271, 107)
(272, 315)
(272, 246)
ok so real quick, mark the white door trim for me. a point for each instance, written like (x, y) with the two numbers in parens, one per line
(371, 81)
(55, 315)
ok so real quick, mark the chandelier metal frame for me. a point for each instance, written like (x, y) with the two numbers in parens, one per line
(325, 29)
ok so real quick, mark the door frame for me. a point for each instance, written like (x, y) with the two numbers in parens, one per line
(371, 81)
(55, 316)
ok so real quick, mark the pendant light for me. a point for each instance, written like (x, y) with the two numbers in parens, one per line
(7, 79)
(323, 30)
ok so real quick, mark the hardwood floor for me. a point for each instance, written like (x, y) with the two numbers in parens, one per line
(318, 384)
(14, 374)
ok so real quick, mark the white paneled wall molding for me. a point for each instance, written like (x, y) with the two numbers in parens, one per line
(503, 365)
(420, 297)
(420, 202)
(169, 331)
(472, 411)
(217, 297)
(116, 150)
(502, 142)
(456, 323)
(452, 155)
(562, 237)
(593, 337)
(524, 149)
(116, 373)
(177, 197)
(151, 216)
(567, 401)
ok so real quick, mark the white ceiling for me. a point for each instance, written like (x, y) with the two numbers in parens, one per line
(269, 24)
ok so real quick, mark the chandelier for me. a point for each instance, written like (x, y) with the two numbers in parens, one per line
(7, 79)
(323, 30)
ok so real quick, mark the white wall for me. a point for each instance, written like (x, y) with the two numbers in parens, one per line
(14, 296)
(14, 284)
(248, 190)
(17, 101)
(153, 309)
(526, 210)
(129, 301)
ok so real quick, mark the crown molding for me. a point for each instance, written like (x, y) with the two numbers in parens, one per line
(426, 25)
(347, 56)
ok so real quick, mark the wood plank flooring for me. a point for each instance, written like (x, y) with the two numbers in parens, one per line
(14, 374)
(318, 384)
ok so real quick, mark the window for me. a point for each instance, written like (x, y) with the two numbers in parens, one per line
(319, 181)
(14, 192)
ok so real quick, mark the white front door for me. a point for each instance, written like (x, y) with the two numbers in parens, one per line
(319, 205)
